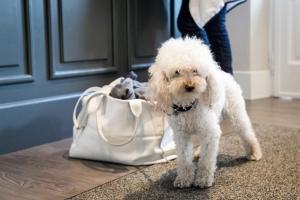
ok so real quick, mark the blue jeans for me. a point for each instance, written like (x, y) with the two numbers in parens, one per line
(214, 34)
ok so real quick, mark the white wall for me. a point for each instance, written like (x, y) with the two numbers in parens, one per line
(259, 35)
(285, 47)
(238, 26)
(248, 27)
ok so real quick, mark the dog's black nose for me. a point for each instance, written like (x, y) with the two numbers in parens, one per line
(189, 88)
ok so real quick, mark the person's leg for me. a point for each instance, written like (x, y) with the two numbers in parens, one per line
(187, 25)
(219, 40)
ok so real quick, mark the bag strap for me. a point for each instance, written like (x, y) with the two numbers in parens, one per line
(92, 91)
(136, 108)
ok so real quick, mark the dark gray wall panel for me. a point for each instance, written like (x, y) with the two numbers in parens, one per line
(10, 31)
(15, 65)
(149, 24)
(87, 29)
(152, 26)
(81, 38)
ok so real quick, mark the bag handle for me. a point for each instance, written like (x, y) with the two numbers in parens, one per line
(136, 110)
(135, 107)
(94, 91)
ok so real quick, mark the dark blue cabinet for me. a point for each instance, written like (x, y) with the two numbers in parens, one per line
(50, 51)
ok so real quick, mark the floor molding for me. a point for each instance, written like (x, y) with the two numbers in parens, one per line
(36, 121)
(39, 100)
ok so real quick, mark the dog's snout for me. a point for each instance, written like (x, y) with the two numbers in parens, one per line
(189, 88)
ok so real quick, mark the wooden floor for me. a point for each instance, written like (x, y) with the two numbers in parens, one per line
(46, 172)
(275, 111)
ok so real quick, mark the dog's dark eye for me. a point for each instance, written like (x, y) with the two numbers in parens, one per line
(177, 72)
(195, 71)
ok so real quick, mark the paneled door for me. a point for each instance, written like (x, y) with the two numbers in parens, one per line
(286, 47)
(52, 50)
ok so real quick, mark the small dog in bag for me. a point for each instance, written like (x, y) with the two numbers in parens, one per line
(189, 86)
(129, 88)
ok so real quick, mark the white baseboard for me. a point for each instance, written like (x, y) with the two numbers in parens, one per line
(255, 84)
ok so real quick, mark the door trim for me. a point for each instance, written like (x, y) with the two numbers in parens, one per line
(276, 50)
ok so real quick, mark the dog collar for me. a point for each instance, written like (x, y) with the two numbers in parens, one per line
(180, 108)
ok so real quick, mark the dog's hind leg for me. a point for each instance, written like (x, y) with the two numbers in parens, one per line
(241, 123)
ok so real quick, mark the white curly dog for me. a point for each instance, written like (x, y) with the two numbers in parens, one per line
(189, 86)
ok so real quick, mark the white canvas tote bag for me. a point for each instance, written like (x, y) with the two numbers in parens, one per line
(121, 131)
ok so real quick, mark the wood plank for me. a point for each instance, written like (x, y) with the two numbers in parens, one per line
(275, 111)
(46, 172)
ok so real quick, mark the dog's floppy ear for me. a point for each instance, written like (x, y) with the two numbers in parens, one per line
(207, 94)
(158, 87)
(212, 90)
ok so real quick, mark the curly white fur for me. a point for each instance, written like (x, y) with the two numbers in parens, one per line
(183, 63)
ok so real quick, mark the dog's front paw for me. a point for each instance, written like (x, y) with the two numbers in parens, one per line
(203, 182)
(255, 154)
(185, 176)
(204, 179)
(181, 182)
